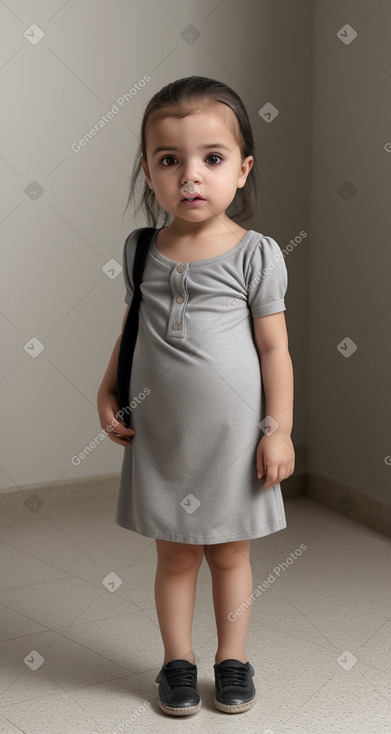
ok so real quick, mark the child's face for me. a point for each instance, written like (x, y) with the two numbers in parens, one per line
(183, 156)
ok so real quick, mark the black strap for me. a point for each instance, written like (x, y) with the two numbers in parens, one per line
(129, 334)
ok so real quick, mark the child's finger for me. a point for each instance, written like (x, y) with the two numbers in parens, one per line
(121, 441)
(121, 430)
(121, 434)
(260, 467)
(270, 478)
(117, 425)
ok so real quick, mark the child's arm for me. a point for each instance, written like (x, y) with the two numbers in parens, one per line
(107, 399)
(275, 453)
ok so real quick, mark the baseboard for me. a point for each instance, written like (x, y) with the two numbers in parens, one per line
(327, 491)
(80, 489)
(33, 496)
(350, 502)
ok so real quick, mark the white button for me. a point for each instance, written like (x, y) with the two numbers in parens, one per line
(180, 268)
(175, 326)
(179, 299)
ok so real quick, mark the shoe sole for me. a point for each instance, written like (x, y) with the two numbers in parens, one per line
(179, 711)
(237, 708)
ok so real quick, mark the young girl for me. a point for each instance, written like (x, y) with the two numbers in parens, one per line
(211, 385)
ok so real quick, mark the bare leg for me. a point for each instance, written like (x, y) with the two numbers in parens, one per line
(175, 587)
(232, 583)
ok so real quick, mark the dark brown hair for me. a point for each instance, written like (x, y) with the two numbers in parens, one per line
(178, 99)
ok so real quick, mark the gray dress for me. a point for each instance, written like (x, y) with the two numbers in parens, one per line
(196, 396)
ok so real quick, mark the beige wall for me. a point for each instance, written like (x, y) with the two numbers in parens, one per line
(349, 254)
(332, 126)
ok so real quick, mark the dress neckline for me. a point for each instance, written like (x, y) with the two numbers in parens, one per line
(194, 263)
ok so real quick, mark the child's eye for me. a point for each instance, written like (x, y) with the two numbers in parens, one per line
(214, 155)
(172, 158)
(169, 157)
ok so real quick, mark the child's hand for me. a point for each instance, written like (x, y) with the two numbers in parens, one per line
(276, 457)
(108, 407)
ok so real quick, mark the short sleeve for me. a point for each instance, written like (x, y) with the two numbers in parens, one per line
(127, 264)
(266, 278)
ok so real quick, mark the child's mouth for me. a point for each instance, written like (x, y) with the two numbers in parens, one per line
(195, 201)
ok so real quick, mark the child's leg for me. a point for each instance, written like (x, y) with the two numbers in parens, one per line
(232, 584)
(175, 587)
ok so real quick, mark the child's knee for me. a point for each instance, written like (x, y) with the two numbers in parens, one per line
(225, 556)
(179, 557)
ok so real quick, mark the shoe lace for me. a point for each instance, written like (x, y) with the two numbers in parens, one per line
(180, 677)
(232, 676)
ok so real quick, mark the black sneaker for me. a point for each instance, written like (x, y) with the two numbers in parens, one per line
(178, 688)
(234, 687)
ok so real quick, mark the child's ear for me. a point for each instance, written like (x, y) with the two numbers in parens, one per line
(146, 171)
(247, 165)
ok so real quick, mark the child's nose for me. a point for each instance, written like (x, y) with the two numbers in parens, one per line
(191, 173)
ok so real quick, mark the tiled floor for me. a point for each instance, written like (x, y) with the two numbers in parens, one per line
(79, 658)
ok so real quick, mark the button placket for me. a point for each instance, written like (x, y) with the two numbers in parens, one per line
(176, 322)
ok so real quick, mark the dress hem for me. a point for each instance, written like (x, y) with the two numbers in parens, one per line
(198, 541)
